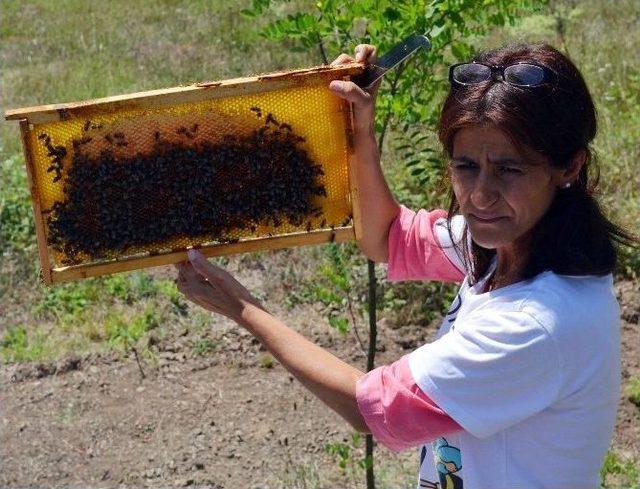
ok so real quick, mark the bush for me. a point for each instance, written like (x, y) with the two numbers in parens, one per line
(17, 231)
(19, 346)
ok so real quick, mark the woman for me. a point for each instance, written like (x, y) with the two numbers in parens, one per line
(521, 386)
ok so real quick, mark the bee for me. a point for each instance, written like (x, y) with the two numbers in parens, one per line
(271, 120)
(242, 182)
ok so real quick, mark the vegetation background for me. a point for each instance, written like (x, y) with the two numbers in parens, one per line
(66, 50)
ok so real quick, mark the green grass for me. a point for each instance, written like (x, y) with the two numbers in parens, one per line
(20, 345)
(124, 332)
(633, 391)
(95, 314)
(618, 472)
(205, 346)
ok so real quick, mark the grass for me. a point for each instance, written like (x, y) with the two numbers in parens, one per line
(95, 314)
(123, 332)
(633, 391)
(618, 472)
(266, 361)
(205, 346)
(20, 345)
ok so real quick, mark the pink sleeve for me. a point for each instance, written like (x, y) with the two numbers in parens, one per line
(415, 252)
(397, 412)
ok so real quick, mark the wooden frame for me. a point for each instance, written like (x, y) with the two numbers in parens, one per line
(30, 116)
(197, 92)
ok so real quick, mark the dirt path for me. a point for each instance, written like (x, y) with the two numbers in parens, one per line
(226, 419)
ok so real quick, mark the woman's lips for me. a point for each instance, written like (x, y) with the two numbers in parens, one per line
(486, 219)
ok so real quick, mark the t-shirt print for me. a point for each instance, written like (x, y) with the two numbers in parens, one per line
(447, 460)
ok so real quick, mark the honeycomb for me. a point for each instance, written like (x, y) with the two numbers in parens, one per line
(139, 177)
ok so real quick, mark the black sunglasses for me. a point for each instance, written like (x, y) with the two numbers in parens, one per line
(520, 74)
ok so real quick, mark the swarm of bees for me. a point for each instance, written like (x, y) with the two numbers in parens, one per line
(201, 190)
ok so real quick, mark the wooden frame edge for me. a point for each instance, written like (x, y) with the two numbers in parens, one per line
(67, 274)
(353, 187)
(196, 92)
(35, 203)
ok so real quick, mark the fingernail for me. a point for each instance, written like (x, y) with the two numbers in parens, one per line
(336, 85)
(192, 254)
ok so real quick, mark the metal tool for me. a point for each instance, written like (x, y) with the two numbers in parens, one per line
(374, 71)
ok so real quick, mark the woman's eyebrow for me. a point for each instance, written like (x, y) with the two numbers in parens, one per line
(508, 161)
(497, 161)
(463, 159)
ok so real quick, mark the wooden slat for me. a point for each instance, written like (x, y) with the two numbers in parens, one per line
(35, 202)
(178, 95)
(66, 274)
(353, 188)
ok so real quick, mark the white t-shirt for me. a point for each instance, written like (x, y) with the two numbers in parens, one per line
(531, 371)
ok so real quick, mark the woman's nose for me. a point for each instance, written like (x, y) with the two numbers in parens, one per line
(485, 191)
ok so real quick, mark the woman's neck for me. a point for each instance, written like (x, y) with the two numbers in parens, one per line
(509, 268)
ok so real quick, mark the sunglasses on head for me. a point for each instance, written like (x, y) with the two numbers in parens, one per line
(519, 74)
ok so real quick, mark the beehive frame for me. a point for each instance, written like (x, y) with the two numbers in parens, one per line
(32, 118)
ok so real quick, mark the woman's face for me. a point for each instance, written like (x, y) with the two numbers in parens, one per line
(502, 192)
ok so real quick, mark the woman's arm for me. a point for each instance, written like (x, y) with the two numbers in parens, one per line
(378, 208)
(386, 401)
(328, 377)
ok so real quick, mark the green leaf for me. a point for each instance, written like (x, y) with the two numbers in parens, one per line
(403, 147)
(340, 324)
(436, 31)
(461, 51)
(391, 14)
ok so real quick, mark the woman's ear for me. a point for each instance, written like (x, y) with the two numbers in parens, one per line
(570, 174)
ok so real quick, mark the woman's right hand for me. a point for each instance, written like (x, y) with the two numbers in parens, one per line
(363, 100)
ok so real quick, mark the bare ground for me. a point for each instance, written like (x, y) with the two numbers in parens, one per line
(223, 420)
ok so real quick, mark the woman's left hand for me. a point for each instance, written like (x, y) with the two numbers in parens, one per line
(212, 287)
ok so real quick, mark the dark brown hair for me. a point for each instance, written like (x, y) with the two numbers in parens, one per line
(558, 121)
